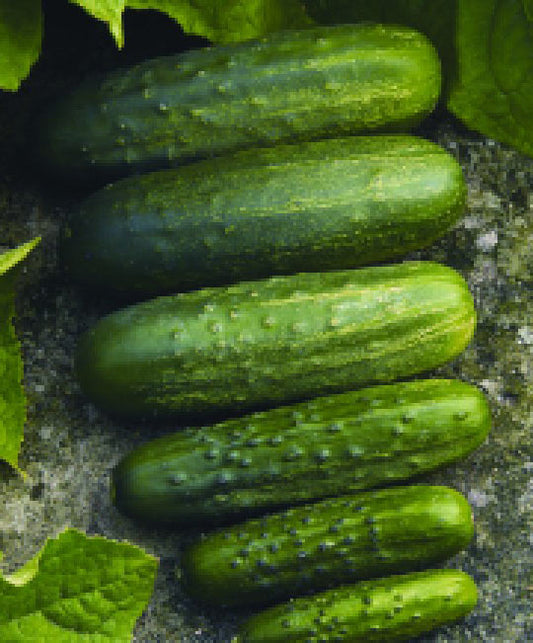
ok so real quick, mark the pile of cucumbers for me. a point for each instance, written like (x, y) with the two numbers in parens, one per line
(254, 180)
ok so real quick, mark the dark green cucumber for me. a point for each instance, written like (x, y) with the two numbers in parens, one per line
(294, 85)
(330, 446)
(329, 204)
(396, 608)
(222, 351)
(336, 541)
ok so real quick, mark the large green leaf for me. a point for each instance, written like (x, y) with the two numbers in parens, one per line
(12, 398)
(229, 20)
(493, 93)
(20, 40)
(77, 588)
(217, 20)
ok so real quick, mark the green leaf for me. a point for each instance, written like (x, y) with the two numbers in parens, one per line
(434, 18)
(224, 21)
(493, 93)
(218, 20)
(12, 398)
(109, 11)
(77, 588)
(10, 258)
(20, 40)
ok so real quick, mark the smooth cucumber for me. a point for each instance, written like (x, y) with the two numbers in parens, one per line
(322, 545)
(294, 85)
(256, 344)
(330, 446)
(331, 204)
(396, 608)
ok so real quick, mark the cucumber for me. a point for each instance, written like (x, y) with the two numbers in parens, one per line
(328, 204)
(256, 344)
(306, 549)
(330, 446)
(396, 608)
(294, 85)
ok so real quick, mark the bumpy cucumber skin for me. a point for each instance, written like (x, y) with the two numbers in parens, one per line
(395, 608)
(257, 344)
(336, 541)
(330, 446)
(331, 204)
(294, 85)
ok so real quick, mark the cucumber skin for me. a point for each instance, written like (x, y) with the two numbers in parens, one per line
(330, 446)
(295, 85)
(331, 204)
(336, 541)
(396, 608)
(258, 344)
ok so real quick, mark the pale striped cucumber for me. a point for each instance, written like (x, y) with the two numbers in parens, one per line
(322, 545)
(397, 608)
(330, 446)
(321, 205)
(294, 85)
(256, 344)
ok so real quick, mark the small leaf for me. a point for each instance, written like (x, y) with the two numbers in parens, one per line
(224, 21)
(109, 11)
(493, 93)
(12, 398)
(10, 258)
(20, 40)
(77, 588)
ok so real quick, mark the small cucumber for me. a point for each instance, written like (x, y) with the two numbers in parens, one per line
(331, 204)
(396, 608)
(336, 541)
(330, 446)
(320, 82)
(257, 344)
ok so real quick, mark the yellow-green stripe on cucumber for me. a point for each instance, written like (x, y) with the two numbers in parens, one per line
(330, 204)
(334, 542)
(396, 608)
(256, 344)
(329, 446)
(293, 85)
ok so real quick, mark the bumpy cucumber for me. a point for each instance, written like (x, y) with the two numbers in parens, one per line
(330, 204)
(396, 608)
(330, 446)
(336, 541)
(294, 85)
(261, 343)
